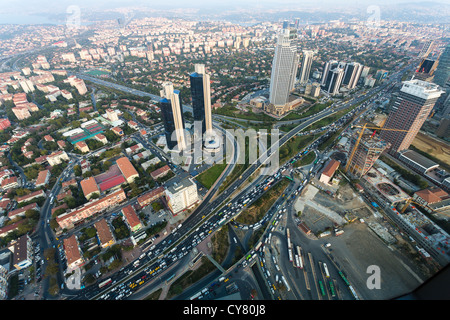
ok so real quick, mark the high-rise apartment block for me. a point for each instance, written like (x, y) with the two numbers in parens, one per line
(410, 110)
(181, 195)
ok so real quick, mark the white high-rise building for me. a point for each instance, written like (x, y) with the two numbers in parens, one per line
(284, 67)
(181, 195)
(306, 66)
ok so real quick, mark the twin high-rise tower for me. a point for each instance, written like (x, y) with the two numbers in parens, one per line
(201, 100)
(172, 110)
(173, 118)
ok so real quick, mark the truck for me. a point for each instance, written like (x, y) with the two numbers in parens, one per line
(288, 288)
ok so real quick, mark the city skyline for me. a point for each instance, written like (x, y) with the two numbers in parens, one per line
(325, 178)
(29, 12)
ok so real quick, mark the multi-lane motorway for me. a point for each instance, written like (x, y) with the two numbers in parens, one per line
(202, 222)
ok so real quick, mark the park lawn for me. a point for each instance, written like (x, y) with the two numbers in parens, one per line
(293, 146)
(305, 160)
(208, 177)
(256, 211)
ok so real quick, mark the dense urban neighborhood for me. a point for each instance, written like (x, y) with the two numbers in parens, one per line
(163, 157)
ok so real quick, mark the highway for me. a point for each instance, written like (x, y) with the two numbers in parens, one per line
(199, 224)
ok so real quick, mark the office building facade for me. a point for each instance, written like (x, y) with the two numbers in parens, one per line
(305, 70)
(413, 105)
(326, 74)
(367, 152)
(352, 73)
(201, 99)
(442, 73)
(335, 81)
(172, 114)
(284, 67)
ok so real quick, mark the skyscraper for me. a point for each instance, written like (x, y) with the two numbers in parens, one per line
(172, 114)
(201, 99)
(284, 67)
(426, 49)
(442, 73)
(368, 150)
(410, 110)
(306, 66)
(352, 72)
(426, 69)
(334, 81)
(326, 72)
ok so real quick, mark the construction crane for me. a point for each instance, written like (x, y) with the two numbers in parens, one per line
(364, 127)
(409, 201)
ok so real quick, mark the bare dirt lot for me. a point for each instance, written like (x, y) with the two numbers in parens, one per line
(435, 148)
(358, 248)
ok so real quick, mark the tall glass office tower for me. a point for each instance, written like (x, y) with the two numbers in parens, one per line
(172, 114)
(201, 99)
(442, 73)
(284, 67)
(409, 112)
(305, 70)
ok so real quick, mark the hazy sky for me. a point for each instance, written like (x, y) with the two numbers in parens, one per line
(55, 6)
(37, 11)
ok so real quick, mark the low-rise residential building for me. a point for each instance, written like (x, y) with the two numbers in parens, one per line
(104, 234)
(133, 149)
(100, 137)
(329, 171)
(433, 199)
(118, 131)
(161, 172)
(22, 250)
(20, 212)
(57, 158)
(9, 183)
(89, 187)
(82, 146)
(73, 252)
(43, 178)
(31, 196)
(131, 218)
(70, 219)
(127, 169)
(150, 196)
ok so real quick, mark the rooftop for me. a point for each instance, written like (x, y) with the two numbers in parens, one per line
(422, 161)
(331, 167)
